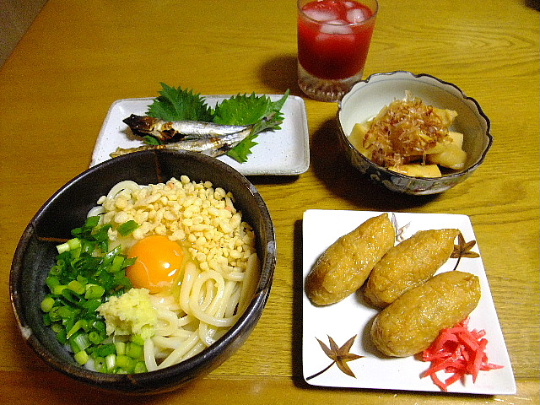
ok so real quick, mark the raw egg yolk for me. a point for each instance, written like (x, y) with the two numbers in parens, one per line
(159, 263)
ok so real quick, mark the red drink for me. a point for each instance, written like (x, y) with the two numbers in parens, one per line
(333, 41)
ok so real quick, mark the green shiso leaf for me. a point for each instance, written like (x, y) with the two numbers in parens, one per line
(242, 109)
(177, 104)
(259, 111)
(241, 152)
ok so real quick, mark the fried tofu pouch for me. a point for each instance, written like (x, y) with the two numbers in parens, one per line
(412, 322)
(409, 264)
(345, 265)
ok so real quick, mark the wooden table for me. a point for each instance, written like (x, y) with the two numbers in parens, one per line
(78, 57)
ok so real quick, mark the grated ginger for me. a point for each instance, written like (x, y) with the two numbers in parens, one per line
(131, 313)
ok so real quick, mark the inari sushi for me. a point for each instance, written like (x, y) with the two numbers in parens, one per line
(345, 265)
(409, 264)
(412, 322)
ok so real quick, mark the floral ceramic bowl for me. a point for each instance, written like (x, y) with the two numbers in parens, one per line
(368, 97)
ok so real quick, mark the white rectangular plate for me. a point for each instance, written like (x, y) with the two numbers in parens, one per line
(282, 152)
(352, 317)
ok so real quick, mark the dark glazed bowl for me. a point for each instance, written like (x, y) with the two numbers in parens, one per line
(67, 209)
(369, 96)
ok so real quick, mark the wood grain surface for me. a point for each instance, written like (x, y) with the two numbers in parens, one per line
(79, 57)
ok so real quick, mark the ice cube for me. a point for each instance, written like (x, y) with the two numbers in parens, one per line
(337, 27)
(356, 15)
(350, 4)
(321, 15)
(344, 39)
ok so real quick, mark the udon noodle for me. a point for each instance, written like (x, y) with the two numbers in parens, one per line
(222, 267)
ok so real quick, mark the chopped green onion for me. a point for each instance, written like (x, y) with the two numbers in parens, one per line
(66, 312)
(134, 350)
(61, 336)
(47, 320)
(86, 274)
(81, 357)
(99, 326)
(70, 245)
(83, 280)
(79, 342)
(80, 324)
(76, 287)
(57, 328)
(99, 364)
(116, 264)
(71, 296)
(110, 362)
(93, 291)
(92, 222)
(52, 282)
(140, 367)
(74, 243)
(120, 348)
(64, 247)
(95, 337)
(128, 227)
(125, 362)
(105, 350)
(138, 339)
(56, 270)
(91, 305)
(47, 304)
(57, 289)
(53, 315)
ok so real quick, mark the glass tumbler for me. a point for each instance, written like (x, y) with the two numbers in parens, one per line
(334, 37)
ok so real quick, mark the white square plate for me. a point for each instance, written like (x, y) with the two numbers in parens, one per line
(352, 317)
(282, 152)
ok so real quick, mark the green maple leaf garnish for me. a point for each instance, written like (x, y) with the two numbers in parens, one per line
(463, 249)
(243, 109)
(339, 356)
(177, 104)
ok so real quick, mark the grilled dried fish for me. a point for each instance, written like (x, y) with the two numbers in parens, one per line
(178, 130)
(209, 145)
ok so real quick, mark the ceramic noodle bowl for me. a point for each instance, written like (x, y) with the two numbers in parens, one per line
(67, 209)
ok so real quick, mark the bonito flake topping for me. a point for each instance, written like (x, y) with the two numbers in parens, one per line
(405, 130)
